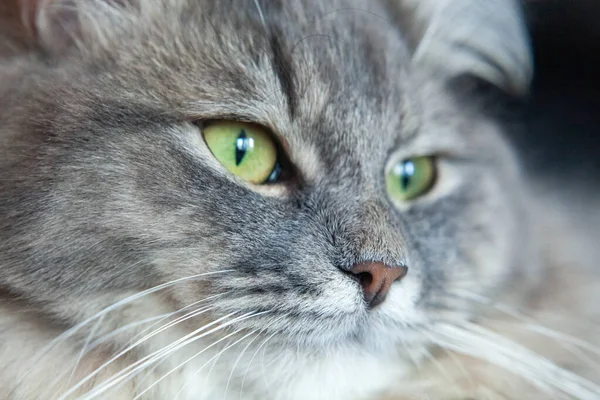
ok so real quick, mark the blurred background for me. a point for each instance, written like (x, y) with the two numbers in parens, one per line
(562, 116)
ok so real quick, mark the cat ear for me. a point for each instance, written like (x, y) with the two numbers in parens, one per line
(60, 25)
(51, 24)
(484, 38)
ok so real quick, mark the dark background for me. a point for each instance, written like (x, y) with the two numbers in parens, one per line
(562, 115)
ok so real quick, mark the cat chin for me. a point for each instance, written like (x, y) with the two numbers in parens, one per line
(374, 333)
(377, 334)
(339, 373)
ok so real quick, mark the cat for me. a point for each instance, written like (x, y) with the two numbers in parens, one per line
(280, 200)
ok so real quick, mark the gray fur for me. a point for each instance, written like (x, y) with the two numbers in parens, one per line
(107, 188)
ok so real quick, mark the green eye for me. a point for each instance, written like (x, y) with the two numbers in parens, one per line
(246, 150)
(410, 178)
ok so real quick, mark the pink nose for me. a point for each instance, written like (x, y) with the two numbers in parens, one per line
(376, 278)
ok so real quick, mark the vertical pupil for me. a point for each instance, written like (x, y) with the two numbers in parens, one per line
(408, 171)
(242, 144)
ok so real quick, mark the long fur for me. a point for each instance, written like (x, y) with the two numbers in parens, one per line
(134, 266)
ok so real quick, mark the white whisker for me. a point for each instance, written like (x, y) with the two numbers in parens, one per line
(84, 348)
(534, 326)
(264, 375)
(143, 361)
(131, 371)
(178, 320)
(106, 337)
(459, 365)
(213, 365)
(252, 359)
(214, 358)
(476, 341)
(165, 316)
(417, 363)
(442, 370)
(244, 317)
(261, 15)
(71, 331)
(124, 328)
(262, 367)
(185, 362)
(237, 361)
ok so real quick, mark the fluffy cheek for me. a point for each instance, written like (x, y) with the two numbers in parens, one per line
(400, 307)
(328, 298)
(337, 296)
(493, 247)
(462, 245)
(328, 313)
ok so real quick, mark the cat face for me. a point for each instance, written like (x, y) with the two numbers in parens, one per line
(119, 191)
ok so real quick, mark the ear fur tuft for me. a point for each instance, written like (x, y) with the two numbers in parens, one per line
(484, 38)
(57, 26)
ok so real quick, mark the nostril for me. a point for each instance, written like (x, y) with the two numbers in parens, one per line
(365, 279)
(376, 279)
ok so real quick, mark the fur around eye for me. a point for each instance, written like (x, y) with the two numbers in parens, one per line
(246, 150)
(411, 178)
(154, 246)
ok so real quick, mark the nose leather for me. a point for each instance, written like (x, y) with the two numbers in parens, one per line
(376, 279)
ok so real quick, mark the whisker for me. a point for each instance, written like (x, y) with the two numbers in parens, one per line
(244, 350)
(178, 320)
(214, 358)
(237, 360)
(186, 316)
(79, 357)
(416, 363)
(563, 341)
(262, 368)
(532, 324)
(213, 365)
(124, 328)
(158, 363)
(476, 341)
(442, 370)
(71, 331)
(143, 361)
(165, 316)
(252, 315)
(459, 365)
(188, 360)
(252, 359)
(106, 337)
(563, 337)
(264, 347)
(131, 371)
(259, 333)
(84, 347)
